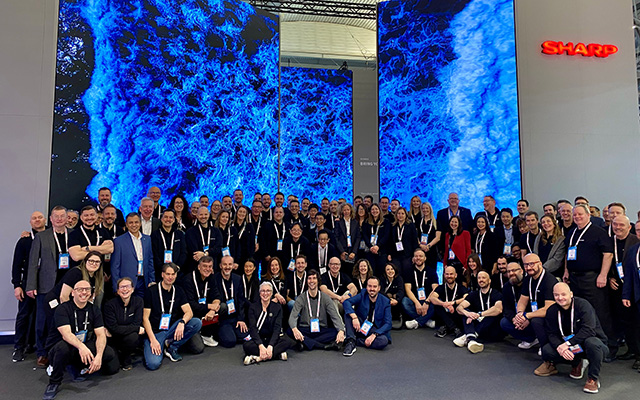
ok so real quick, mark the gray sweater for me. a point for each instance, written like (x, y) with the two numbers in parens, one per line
(300, 313)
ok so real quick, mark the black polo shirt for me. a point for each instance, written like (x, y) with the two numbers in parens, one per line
(590, 248)
(336, 285)
(415, 277)
(152, 301)
(446, 294)
(539, 290)
(88, 318)
(482, 302)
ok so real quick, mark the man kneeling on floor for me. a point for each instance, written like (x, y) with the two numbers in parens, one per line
(481, 312)
(370, 323)
(575, 336)
(80, 340)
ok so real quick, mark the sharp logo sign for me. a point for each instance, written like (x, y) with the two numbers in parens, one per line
(586, 50)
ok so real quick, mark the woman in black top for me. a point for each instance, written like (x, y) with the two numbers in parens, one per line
(403, 242)
(275, 276)
(393, 288)
(362, 216)
(250, 282)
(265, 327)
(183, 216)
(428, 235)
(415, 210)
(246, 244)
(376, 236)
(229, 237)
(90, 269)
(484, 243)
(474, 266)
(361, 273)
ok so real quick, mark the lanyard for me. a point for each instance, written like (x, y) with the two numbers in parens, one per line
(495, 218)
(323, 256)
(479, 247)
(451, 215)
(173, 297)
(87, 237)
(377, 229)
(502, 283)
(244, 225)
(278, 233)
(424, 275)
(195, 283)
(430, 227)
(309, 304)
(391, 283)
(86, 320)
(276, 287)
(560, 319)
(165, 242)
(297, 250)
(332, 285)
(579, 237)
(529, 243)
(400, 232)
(537, 286)
(347, 225)
(446, 294)
(615, 247)
(295, 283)
(482, 303)
(247, 287)
(228, 231)
(261, 319)
(224, 287)
(204, 244)
(66, 241)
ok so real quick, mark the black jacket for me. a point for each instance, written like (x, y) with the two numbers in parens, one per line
(121, 320)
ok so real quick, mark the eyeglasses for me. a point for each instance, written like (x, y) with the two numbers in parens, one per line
(125, 287)
(83, 290)
(265, 291)
(93, 262)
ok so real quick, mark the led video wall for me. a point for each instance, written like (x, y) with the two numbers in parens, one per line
(316, 133)
(178, 94)
(448, 117)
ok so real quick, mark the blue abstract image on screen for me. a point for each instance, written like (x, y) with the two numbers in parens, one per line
(316, 136)
(182, 95)
(448, 117)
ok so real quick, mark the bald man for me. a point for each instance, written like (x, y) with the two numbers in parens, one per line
(481, 312)
(445, 299)
(25, 319)
(155, 193)
(574, 334)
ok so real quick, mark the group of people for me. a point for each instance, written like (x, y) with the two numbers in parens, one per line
(333, 276)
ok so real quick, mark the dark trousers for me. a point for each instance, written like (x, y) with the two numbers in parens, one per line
(228, 333)
(534, 331)
(623, 319)
(25, 323)
(63, 354)
(451, 321)
(44, 322)
(316, 339)
(410, 310)
(593, 350)
(487, 330)
(140, 287)
(124, 345)
(284, 343)
(583, 284)
(378, 343)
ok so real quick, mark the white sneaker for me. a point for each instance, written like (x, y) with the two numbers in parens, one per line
(283, 356)
(248, 360)
(475, 347)
(527, 345)
(431, 324)
(412, 324)
(540, 352)
(460, 341)
(209, 341)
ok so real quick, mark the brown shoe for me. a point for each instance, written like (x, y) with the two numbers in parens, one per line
(42, 362)
(577, 372)
(591, 386)
(546, 369)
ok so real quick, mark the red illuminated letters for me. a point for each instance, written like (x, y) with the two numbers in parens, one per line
(591, 50)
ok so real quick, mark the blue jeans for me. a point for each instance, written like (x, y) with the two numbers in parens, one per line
(410, 309)
(529, 334)
(153, 361)
(378, 343)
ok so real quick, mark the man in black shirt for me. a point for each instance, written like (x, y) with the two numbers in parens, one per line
(167, 320)
(104, 200)
(446, 298)
(168, 244)
(500, 275)
(507, 234)
(297, 281)
(322, 251)
(337, 285)
(528, 240)
(88, 237)
(198, 287)
(574, 335)
(418, 285)
(154, 193)
(26, 317)
(229, 303)
(109, 221)
(78, 340)
(203, 239)
(481, 312)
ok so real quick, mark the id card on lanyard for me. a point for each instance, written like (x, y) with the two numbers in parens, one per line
(422, 295)
(315, 321)
(572, 251)
(205, 245)
(81, 334)
(203, 299)
(226, 251)
(165, 319)
(576, 348)
(279, 243)
(231, 305)
(366, 326)
(618, 263)
(168, 252)
(374, 237)
(534, 299)
(399, 245)
(424, 238)
(63, 257)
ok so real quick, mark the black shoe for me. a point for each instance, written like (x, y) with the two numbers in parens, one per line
(457, 332)
(332, 346)
(636, 365)
(441, 332)
(299, 346)
(51, 391)
(627, 356)
(350, 348)
(18, 355)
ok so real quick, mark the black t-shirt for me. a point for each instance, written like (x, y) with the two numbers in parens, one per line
(372, 309)
(96, 236)
(73, 276)
(296, 285)
(590, 248)
(539, 290)
(88, 318)
(482, 302)
(544, 250)
(336, 285)
(527, 241)
(446, 294)
(152, 301)
(416, 278)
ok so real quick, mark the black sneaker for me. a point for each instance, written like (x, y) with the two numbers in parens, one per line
(18, 355)
(457, 332)
(51, 391)
(349, 349)
(441, 332)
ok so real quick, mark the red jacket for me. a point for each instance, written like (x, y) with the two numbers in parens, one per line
(461, 247)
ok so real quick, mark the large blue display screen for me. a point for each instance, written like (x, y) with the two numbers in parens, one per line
(316, 158)
(448, 116)
(178, 94)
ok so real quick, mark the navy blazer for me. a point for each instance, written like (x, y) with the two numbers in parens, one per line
(341, 236)
(381, 315)
(631, 284)
(442, 219)
(124, 260)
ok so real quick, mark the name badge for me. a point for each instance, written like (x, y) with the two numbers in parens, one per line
(365, 327)
(315, 325)
(247, 338)
(424, 239)
(374, 240)
(107, 257)
(492, 227)
(452, 255)
(168, 256)
(421, 294)
(534, 306)
(323, 270)
(572, 253)
(506, 250)
(349, 241)
(53, 304)
(226, 252)
(205, 250)
(280, 245)
(620, 270)
(202, 300)
(165, 321)
(82, 336)
(292, 265)
(63, 261)
(576, 348)
(480, 257)
(231, 306)
(399, 246)
(256, 239)
(140, 271)
(362, 246)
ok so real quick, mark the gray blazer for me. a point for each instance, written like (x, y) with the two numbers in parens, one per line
(43, 263)
(556, 256)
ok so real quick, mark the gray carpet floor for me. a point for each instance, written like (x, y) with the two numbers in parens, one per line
(415, 366)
